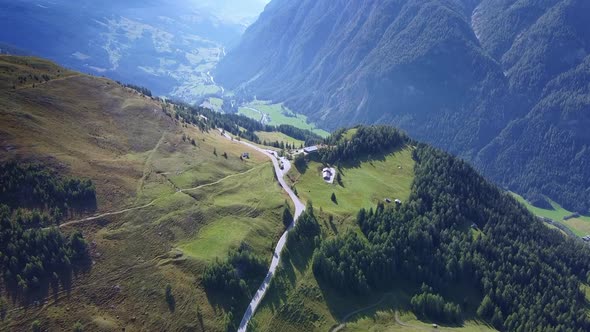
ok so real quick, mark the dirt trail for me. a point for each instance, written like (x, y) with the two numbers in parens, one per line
(106, 214)
(147, 170)
(30, 86)
(345, 319)
(220, 180)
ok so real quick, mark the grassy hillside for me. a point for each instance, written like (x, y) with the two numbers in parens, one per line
(91, 126)
(165, 199)
(363, 185)
(390, 321)
(279, 137)
(278, 114)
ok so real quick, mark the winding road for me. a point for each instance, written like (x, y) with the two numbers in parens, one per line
(299, 208)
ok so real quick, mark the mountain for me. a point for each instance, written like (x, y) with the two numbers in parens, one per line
(167, 46)
(122, 211)
(496, 82)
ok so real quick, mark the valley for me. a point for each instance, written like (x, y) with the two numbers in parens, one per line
(169, 46)
(277, 114)
(310, 165)
(484, 79)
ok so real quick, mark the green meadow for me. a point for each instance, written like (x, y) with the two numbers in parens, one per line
(279, 114)
(362, 186)
(580, 226)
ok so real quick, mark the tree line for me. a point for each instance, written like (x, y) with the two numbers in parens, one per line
(140, 89)
(34, 254)
(34, 186)
(238, 125)
(235, 279)
(366, 141)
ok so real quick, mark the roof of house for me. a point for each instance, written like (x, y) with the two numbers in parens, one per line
(311, 148)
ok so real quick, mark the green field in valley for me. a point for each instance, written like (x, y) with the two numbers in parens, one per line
(580, 226)
(276, 136)
(279, 114)
(250, 113)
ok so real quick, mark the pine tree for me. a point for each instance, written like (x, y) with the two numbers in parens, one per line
(170, 298)
(498, 319)
(287, 217)
(36, 326)
(78, 327)
(3, 308)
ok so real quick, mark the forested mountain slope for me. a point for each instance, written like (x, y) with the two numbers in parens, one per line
(457, 252)
(471, 76)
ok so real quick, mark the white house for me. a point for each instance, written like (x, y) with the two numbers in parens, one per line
(310, 149)
(327, 174)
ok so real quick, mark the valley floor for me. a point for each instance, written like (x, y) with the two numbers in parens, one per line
(579, 225)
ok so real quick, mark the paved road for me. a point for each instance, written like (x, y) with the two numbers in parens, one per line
(299, 208)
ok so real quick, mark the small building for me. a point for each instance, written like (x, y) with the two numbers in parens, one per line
(327, 174)
(246, 155)
(398, 202)
(388, 200)
(311, 149)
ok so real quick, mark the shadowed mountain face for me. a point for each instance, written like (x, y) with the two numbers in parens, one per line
(168, 46)
(502, 83)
